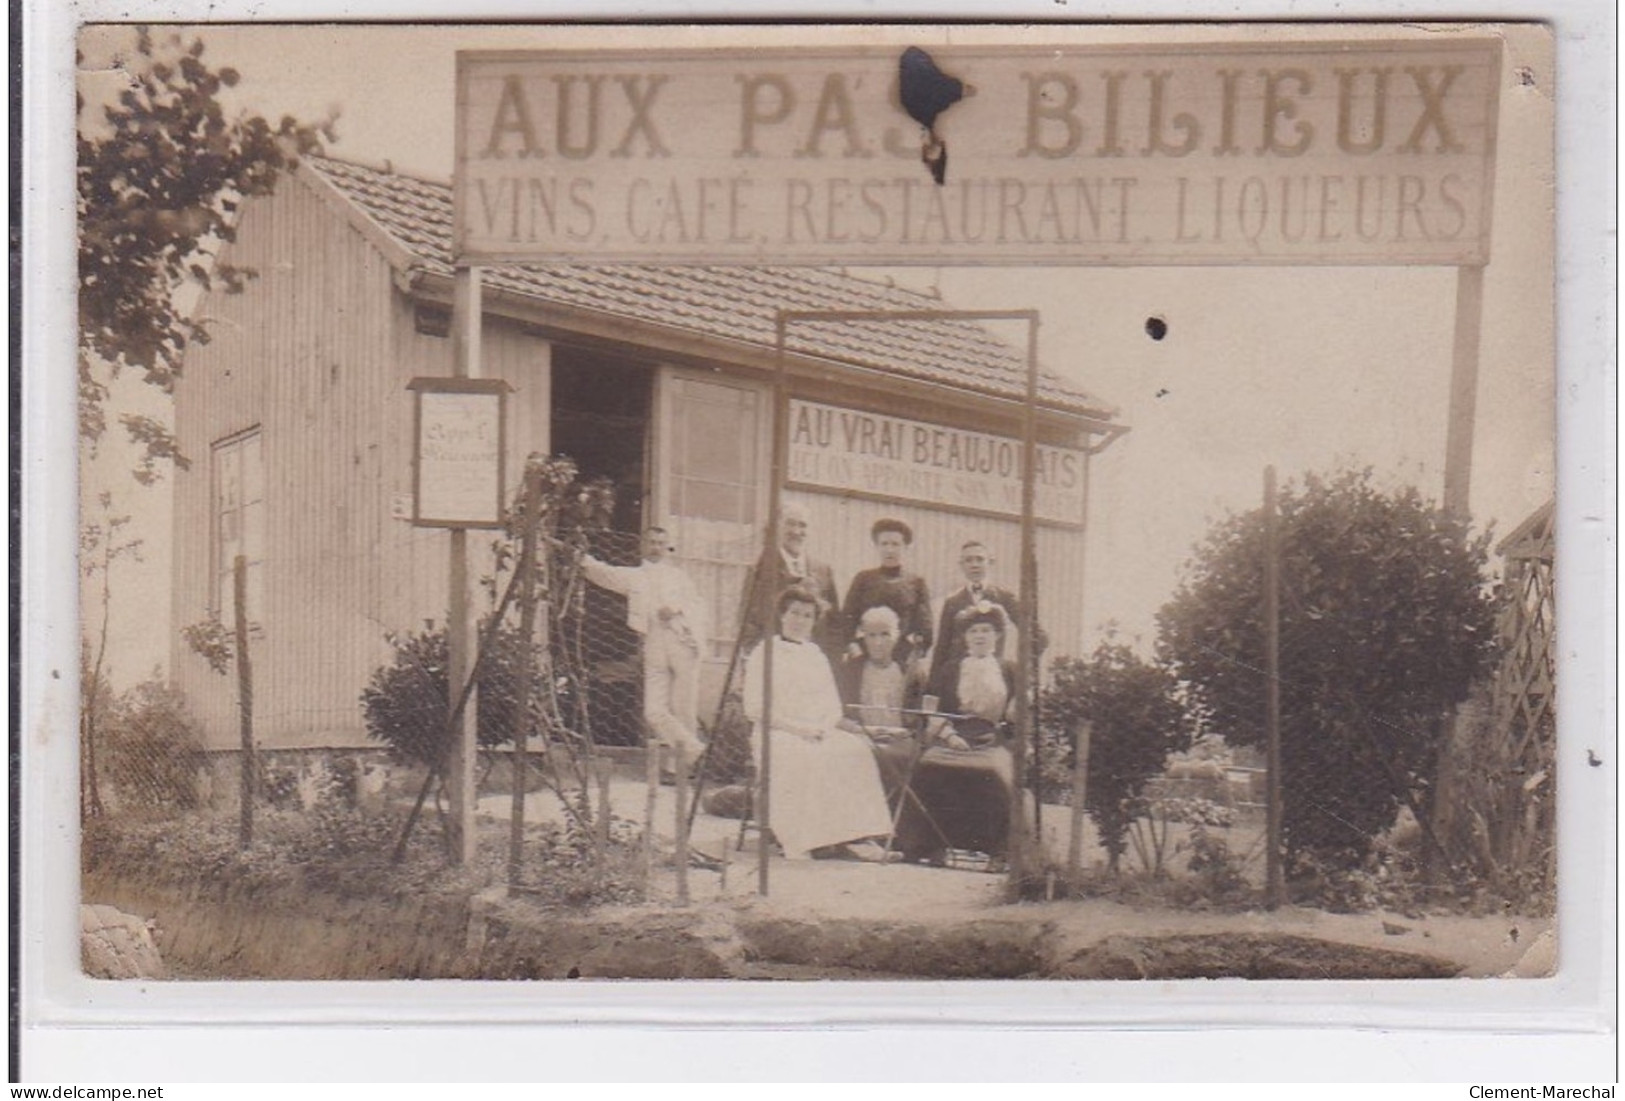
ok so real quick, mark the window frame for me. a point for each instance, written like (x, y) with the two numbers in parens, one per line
(217, 604)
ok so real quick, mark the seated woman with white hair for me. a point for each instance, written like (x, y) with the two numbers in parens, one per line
(824, 790)
(877, 688)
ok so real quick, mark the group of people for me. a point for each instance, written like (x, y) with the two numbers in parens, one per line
(889, 737)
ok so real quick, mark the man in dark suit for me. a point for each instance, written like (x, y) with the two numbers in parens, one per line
(787, 564)
(976, 561)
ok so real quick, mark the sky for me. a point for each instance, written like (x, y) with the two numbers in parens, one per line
(1305, 368)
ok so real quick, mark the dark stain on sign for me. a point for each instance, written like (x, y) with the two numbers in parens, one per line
(926, 91)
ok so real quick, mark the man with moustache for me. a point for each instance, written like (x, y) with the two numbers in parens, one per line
(788, 564)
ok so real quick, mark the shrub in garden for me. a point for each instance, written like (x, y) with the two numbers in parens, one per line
(150, 747)
(1151, 821)
(1216, 873)
(1137, 720)
(1386, 620)
(405, 703)
(567, 868)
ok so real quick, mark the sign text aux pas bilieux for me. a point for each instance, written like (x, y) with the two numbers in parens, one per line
(1321, 153)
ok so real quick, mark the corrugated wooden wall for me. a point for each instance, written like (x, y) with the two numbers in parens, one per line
(317, 354)
(840, 536)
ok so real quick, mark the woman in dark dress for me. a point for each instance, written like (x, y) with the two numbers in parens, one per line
(965, 779)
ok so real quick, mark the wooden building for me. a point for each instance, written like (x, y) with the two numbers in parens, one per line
(299, 424)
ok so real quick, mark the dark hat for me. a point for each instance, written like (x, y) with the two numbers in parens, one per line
(984, 611)
(889, 524)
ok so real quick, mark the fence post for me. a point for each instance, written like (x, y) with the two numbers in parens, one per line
(1080, 785)
(531, 505)
(680, 759)
(601, 821)
(1024, 852)
(1274, 889)
(245, 702)
(651, 780)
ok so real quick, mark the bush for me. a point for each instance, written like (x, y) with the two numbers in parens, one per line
(150, 748)
(1498, 807)
(1217, 877)
(346, 852)
(405, 703)
(567, 871)
(1385, 622)
(1338, 882)
(1136, 720)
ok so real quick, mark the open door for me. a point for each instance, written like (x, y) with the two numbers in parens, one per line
(600, 418)
(713, 455)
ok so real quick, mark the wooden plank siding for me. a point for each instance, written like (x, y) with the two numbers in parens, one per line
(317, 355)
(840, 536)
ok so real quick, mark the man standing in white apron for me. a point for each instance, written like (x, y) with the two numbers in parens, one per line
(665, 609)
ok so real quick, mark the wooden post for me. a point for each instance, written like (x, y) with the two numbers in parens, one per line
(1080, 786)
(680, 762)
(651, 779)
(530, 500)
(463, 745)
(602, 821)
(1274, 889)
(245, 702)
(1018, 853)
(1458, 447)
(781, 447)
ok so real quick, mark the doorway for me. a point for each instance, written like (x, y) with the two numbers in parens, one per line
(600, 419)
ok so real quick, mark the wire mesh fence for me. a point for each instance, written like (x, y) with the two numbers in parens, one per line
(139, 752)
(593, 654)
(561, 670)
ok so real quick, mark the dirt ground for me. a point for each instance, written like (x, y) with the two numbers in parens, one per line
(812, 899)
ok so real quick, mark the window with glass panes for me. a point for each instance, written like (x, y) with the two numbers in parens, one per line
(238, 475)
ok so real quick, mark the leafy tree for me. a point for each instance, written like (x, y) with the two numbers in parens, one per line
(1136, 720)
(160, 180)
(1386, 619)
(102, 542)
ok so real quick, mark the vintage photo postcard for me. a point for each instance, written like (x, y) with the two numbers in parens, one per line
(920, 502)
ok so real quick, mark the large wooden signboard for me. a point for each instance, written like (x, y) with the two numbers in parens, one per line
(874, 455)
(1336, 153)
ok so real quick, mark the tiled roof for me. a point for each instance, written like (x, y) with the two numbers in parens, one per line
(735, 303)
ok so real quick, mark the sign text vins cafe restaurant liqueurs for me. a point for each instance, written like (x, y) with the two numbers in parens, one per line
(1334, 152)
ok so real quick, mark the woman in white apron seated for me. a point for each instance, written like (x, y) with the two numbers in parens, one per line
(825, 797)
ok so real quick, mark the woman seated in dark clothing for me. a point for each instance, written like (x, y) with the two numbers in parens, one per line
(964, 781)
(956, 793)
